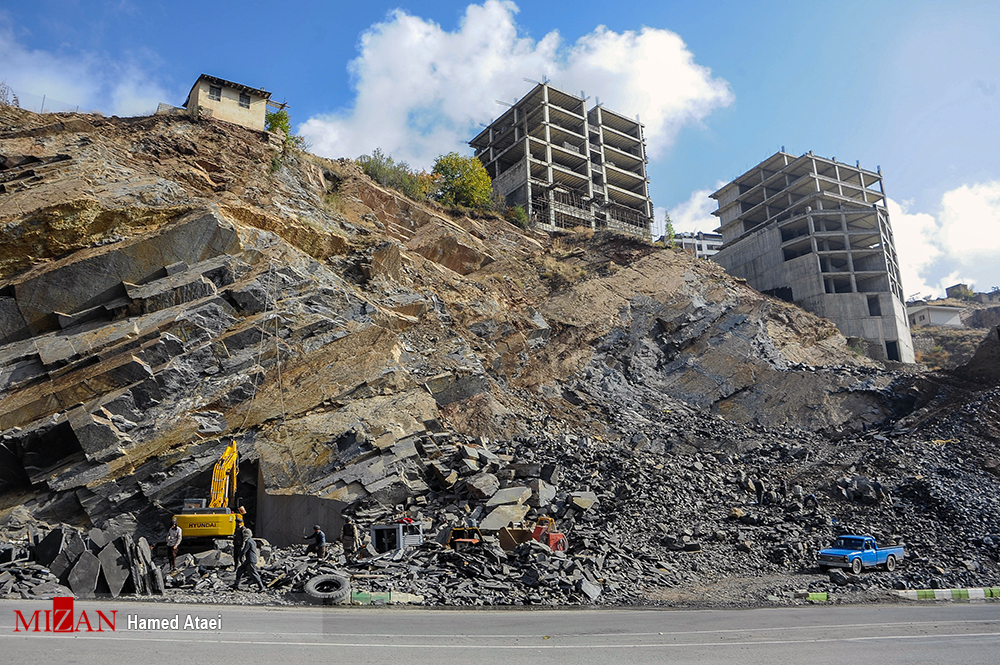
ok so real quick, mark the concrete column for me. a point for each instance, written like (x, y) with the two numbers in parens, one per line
(586, 151)
(864, 190)
(840, 183)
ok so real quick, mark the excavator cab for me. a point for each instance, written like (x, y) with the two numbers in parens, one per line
(216, 520)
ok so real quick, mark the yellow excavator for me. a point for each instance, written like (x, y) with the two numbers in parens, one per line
(216, 520)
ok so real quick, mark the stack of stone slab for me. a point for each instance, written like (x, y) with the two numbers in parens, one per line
(98, 564)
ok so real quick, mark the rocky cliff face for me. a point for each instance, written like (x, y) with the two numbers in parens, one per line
(166, 285)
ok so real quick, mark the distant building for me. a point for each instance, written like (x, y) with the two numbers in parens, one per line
(567, 166)
(815, 232)
(958, 291)
(963, 292)
(225, 100)
(934, 315)
(699, 244)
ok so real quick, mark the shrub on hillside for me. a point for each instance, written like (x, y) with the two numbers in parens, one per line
(387, 172)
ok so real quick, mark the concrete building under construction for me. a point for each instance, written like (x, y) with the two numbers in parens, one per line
(567, 166)
(816, 232)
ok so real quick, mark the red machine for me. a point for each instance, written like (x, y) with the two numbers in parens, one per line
(545, 532)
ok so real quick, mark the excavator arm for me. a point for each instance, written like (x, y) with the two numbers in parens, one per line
(217, 520)
(224, 478)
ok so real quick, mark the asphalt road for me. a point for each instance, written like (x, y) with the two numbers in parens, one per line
(925, 633)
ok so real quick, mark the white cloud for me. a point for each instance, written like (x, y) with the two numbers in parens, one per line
(970, 221)
(422, 90)
(78, 80)
(695, 214)
(916, 237)
(962, 244)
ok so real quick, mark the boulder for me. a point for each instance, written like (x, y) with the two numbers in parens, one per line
(583, 500)
(483, 485)
(502, 516)
(509, 495)
(542, 493)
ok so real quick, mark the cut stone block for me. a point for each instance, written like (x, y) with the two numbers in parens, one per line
(443, 476)
(510, 495)
(592, 591)
(49, 548)
(483, 486)
(502, 516)
(542, 494)
(73, 546)
(83, 577)
(583, 500)
(98, 537)
(115, 568)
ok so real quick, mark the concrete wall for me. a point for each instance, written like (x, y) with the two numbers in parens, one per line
(228, 108)
(850, 312)
(514, 177)
(283, 519)
(759, 260)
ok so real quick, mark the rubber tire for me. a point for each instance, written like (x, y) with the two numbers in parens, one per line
(890, 563)
(856, 566)
(318, 588)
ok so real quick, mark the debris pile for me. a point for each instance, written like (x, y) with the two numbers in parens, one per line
(66, 561)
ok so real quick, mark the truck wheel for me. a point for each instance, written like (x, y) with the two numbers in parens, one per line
(890, 563)
(329, 589)
(856, 566)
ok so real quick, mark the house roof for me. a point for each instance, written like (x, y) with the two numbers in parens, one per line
(260, 92)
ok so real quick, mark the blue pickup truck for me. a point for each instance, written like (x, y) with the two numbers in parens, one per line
(858, 552)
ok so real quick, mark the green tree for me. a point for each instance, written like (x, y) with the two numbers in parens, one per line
(462, 181)
(668, 229)
(278, 121)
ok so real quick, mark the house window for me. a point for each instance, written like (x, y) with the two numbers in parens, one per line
(244, 100)
(214, 93)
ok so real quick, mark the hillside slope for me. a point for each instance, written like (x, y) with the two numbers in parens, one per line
(166, 285)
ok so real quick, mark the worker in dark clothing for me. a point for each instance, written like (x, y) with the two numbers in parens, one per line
(319, 544)
(238, 540)
(349, 538)
(758, 487)
(249, 565)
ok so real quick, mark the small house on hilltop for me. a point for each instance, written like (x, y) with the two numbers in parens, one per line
(225, 100)
(935, 315)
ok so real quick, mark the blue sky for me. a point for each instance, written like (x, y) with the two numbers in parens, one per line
(909, 86)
